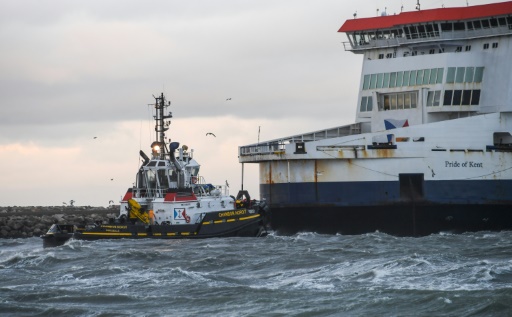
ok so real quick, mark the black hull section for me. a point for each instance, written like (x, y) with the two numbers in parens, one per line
(399, 220)
(200, 231)
(55, 240)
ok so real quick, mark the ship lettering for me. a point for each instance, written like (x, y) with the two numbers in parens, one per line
(463, 164)
(452, 164)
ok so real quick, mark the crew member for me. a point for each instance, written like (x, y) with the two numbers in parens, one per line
(151, 217)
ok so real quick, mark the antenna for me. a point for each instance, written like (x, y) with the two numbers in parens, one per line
(259, 127)
(418, 6)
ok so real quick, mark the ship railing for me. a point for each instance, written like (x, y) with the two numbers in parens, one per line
(278, 146)
(425, 37)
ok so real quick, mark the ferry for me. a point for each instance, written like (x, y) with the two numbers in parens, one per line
(170, 199)
(431, 147)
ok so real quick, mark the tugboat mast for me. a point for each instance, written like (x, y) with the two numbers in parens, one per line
(159, 146)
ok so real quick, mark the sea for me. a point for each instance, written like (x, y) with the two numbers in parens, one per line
(306, 274)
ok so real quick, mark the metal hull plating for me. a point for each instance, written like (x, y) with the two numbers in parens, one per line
(392, 207)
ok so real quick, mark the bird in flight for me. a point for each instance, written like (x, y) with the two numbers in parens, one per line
(228, 99)
(209, 133)
(95, 137)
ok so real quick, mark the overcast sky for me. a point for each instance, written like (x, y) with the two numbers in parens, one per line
(74, 70)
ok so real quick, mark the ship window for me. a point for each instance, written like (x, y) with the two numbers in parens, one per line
(369, 105)
(373, 81)
(475, 97)
(469, 74)
(433, 98)
(364, 101)
(447, 97)
(432, 51)
(393, 102)
(162, 179)
(437, 97)
(386, 101)
(458, 49)
(485, 24)
(466, 97)
(450, 77)
(421, 31)
(469, 25)
(385, 84)
(366, 82)
(366, 104)
(430, 99)
(479, 73)
(459, 26)
(440, 73)
(407, 33)
(430, 30)
(399, 77)
(494, 22)
(379, 80)
(433, 74)
(414, 99)
(161, 163)
(381, 56)
(400, 101)
(419, 78)
(502, 21)
(412, 80)
(446, 26)
(426, 76)
(477, 25)
(407, 101)
(414, 53)
(405, 82)
(152, 163)
(509, 20)
(468, 48)
(392, 80)
(495, 45)
(457, 96)
(414, 32)
(459, 77)
(486, 46)
(389, 55)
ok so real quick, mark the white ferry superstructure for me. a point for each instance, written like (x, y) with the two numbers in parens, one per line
(431, 148)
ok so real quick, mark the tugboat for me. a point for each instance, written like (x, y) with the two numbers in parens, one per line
(171, 200)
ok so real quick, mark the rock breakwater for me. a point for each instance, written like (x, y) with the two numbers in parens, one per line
(25, 222)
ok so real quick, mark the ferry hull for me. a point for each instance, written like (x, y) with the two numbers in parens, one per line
(400, 220)
(362, 207)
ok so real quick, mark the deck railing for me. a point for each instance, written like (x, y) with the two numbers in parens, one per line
(278, 146)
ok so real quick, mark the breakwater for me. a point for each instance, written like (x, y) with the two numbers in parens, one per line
(26, 222)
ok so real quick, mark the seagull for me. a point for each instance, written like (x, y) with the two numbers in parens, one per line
(95, 137)
(228, 99)
(209, 133)
(111, 179)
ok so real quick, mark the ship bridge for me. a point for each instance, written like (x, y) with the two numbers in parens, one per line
(441, 26)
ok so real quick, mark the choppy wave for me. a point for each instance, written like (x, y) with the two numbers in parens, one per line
(301, 275)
